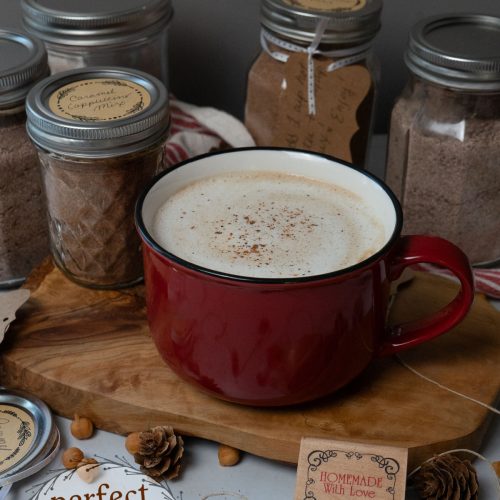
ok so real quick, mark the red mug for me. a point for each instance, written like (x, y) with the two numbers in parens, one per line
(282, 341)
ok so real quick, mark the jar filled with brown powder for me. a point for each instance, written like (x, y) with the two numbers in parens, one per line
(100, 135)
(444, 141)
(314, 84)
(23, 226)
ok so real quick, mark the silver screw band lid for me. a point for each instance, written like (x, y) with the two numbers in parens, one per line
(36, 419)
(23, 61)
(349, 21)
(94, 23)
(97, 112)
(460, 51)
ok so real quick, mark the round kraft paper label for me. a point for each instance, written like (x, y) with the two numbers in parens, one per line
(328, 5)
(99, 99)
(16, 435)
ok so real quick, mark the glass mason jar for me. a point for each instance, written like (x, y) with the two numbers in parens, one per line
(23, 225)
(129, 33)
(444, 140)
(314, 84)
(100, 134)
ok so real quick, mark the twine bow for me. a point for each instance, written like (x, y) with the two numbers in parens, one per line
(345, 57)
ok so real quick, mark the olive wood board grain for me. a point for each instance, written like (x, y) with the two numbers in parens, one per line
(90, 352)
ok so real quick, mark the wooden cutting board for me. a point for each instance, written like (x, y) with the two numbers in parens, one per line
(90, 352)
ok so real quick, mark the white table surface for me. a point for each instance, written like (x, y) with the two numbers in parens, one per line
(254, 478)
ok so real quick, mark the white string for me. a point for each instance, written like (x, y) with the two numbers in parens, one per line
(462, 450)
(484, 405)
(487, 406)
(346, 56)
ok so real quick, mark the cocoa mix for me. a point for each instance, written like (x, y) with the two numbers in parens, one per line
(23, 221)
(91, 206)
(443, 166)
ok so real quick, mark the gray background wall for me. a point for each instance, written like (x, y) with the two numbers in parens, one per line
(213, 44)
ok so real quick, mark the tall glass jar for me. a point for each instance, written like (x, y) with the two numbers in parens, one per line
(314, 84)
(23, 226)
(444, 141)
(129, 33)
(100, 134)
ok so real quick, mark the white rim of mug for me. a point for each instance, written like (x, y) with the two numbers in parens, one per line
(151, 242)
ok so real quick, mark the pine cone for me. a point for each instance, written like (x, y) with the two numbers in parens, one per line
(160, 451)
(446, 477)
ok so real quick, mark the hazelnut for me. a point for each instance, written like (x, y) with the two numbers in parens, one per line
(72, 457)
(496, 468)
(82, 427)
(133, 442)
(87, 469)
(228, 456)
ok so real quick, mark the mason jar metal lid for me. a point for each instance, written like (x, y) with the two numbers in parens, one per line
(23, 61)
(28, 429)
(461, 51)
(97, 112)
(349, 21)
(94, 22)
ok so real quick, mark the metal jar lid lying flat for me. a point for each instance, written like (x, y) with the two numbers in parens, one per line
(29, 435)
(94, 23)
(97, 112)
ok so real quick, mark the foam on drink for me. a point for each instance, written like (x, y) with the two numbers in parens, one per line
(267, 225)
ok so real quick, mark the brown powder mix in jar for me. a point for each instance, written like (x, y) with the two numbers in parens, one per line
(91, 204)
(100, 135)
(444, 140)
(265, 96)
(23, 221)
(326, 106)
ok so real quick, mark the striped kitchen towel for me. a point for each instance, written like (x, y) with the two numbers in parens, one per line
(196, 130)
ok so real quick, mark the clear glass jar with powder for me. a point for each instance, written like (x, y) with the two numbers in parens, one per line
(23, 227)
(314, 84)
(129, 33)
(100, 135)
(444, 140)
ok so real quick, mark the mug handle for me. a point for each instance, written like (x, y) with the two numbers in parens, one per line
(434, 250)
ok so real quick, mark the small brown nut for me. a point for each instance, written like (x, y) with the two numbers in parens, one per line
(496, 468)
(88, 469)
(133, 442)
(82, 427)
(72, 457)
(228, 456)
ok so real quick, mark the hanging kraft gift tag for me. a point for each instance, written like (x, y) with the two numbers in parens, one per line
(344, 470)
(338, 96)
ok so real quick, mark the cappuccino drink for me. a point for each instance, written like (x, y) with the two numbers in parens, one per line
(267, 225)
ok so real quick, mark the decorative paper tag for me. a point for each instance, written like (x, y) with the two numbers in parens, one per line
(16, 435)
(343, 470)
(100, 99)
(10, 302)
(338, 96)
(330, 5)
